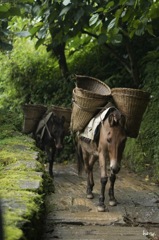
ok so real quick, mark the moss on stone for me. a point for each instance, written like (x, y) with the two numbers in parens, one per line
(13, 233)
(21, 180)
(17, 148)
(21, 188)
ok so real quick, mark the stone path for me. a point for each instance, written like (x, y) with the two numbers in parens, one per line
(71, 216)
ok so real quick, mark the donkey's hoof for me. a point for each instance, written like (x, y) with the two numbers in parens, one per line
(102, 208)
(112, 203)
(90, 196)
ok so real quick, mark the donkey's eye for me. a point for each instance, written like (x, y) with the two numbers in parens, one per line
(109, 140)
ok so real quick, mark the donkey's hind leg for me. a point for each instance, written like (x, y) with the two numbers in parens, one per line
(90, 184)
(90, 180)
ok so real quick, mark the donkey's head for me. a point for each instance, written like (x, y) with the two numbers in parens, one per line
(114, 137)
(57, 130)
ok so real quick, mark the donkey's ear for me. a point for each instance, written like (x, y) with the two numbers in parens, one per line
(111, 120)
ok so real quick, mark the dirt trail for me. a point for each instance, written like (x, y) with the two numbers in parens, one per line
(71, 216)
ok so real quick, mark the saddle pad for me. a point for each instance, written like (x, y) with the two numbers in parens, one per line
(43, 122)
(90, 129)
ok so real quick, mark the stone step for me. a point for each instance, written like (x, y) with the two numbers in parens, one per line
(90, 232)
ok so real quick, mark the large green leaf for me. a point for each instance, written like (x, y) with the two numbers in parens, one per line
(42, 33)
(4, 7)
(111, 24)
(154, 10)
(66, 2)
(93, 19)
(36, 28)
(64, 10)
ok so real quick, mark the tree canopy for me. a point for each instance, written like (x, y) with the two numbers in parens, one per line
(113, 24)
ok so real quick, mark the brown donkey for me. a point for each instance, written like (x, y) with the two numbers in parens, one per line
(108, 145)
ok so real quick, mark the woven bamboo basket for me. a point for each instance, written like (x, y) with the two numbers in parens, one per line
(32, 115)
(132, 103)
(84, 109)
(88, 94)
(65, 112)
(94, 85)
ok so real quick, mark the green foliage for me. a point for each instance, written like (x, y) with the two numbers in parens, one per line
(134, 155)
(143, 153)
(18, 163)
(33, 78)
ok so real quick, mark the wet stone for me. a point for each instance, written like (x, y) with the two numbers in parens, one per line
(32, 183)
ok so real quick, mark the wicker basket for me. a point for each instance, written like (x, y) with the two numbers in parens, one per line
(132, 103)
(65, 112)
(32, 115)
(84, 109)
(93, 85)
(88, 94)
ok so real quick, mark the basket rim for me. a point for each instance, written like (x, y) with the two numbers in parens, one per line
(94, 79)
(86, 98)
(34, 105)
(97, 95)
(130, 93)
(130, 90)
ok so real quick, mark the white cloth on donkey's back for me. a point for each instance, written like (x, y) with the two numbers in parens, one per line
(90, 130)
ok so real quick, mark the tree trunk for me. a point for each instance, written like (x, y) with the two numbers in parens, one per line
(59, 52)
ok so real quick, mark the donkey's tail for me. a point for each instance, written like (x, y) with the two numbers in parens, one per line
(78, 152)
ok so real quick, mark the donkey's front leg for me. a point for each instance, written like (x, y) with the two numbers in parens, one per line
(112, 200)
(101, 205)
(104, 179)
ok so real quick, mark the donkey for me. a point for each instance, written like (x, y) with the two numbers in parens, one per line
(49, 136)
(107, 146)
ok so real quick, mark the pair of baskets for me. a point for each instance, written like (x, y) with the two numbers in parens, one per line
(132, 103)
(89, 96)
(33, 113)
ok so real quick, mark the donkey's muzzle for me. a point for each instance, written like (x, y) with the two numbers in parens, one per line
(114, 167)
